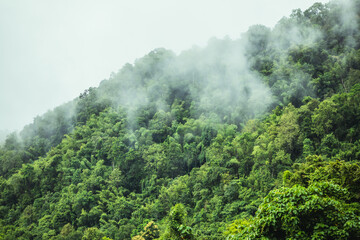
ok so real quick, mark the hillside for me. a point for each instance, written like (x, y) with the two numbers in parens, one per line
(254, 138)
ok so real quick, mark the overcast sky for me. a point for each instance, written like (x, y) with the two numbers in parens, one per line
(51, 51)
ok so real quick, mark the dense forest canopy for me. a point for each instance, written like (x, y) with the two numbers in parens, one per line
(253, 138)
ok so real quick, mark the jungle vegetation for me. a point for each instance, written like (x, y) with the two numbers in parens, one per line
(253, 138)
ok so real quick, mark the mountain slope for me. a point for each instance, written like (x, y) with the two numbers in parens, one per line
(189, 146)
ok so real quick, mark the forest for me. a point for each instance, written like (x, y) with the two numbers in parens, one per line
(252, 138)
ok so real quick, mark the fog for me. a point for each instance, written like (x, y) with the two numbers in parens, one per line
(51, 51)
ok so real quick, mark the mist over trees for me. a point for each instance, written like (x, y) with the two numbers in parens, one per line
(252, 138)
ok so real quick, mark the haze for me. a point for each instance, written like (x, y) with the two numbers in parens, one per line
(51, 51)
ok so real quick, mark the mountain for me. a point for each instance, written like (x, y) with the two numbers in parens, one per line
(253, 138)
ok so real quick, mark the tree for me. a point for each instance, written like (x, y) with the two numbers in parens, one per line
(151, 231)
(92, 234)
(176, 224)
(319, 211)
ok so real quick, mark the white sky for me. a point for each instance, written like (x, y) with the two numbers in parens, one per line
(51, 51)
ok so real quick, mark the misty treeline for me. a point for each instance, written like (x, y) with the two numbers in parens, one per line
(253, 138)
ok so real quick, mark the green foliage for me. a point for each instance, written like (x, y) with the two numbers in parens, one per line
(151, 231)
(202, 145)
(319, 211)
(92, 233)
(176, 224)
